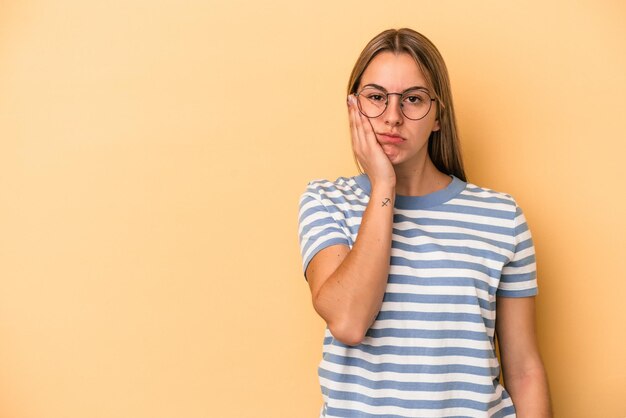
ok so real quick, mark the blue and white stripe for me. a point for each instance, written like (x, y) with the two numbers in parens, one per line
(430, 352)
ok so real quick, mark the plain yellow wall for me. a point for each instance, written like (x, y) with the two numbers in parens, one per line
(152, 154)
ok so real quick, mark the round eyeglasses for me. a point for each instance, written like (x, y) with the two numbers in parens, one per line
(414, 103)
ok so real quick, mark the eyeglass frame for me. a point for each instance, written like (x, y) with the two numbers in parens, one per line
(387, 94)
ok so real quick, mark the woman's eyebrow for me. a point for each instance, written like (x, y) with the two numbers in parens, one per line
(403, 91)
(375, 86)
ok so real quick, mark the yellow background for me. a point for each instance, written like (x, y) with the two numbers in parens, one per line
(152, 154)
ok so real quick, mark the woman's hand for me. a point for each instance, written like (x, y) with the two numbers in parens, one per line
(368, 151)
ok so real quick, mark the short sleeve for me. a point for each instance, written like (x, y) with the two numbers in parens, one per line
(317, 227)
(519, 275)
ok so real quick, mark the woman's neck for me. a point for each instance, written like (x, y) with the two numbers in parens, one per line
(420, 180)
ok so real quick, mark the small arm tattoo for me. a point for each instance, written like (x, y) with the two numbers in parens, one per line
(386, 202)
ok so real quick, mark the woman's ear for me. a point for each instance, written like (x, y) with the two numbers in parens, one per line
(436, 127)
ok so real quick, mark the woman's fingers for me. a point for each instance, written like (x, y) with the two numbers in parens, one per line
(366, 147)
(364, 141)
(356, 128)
(359, 128)
(368, 131)
(353, 120)
(357, 122)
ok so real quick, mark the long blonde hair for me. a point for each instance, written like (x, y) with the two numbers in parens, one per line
(443, 145)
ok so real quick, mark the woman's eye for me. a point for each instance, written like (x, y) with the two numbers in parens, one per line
(376, 97)
(414, 99)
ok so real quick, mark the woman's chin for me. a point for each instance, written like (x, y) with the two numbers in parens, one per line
(392, 153)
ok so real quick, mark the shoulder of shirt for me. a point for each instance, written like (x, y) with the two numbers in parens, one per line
(488, 195)
(344, 185)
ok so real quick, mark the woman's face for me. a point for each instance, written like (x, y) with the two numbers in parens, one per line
(403, 140)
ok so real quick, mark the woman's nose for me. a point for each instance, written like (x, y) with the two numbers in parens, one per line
(393, 114)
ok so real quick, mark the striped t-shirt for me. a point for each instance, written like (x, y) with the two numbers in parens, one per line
(430, 351)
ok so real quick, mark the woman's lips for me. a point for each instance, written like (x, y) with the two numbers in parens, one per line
(389, 138)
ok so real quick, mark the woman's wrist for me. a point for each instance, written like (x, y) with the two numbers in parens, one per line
(384, 187)
(384, 194)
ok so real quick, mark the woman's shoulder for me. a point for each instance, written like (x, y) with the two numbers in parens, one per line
(341, 186)
(487, 196)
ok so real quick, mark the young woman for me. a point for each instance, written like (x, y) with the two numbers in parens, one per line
(414, 270)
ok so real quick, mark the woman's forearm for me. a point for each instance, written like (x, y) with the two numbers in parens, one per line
(530, 393)
(351, 297)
